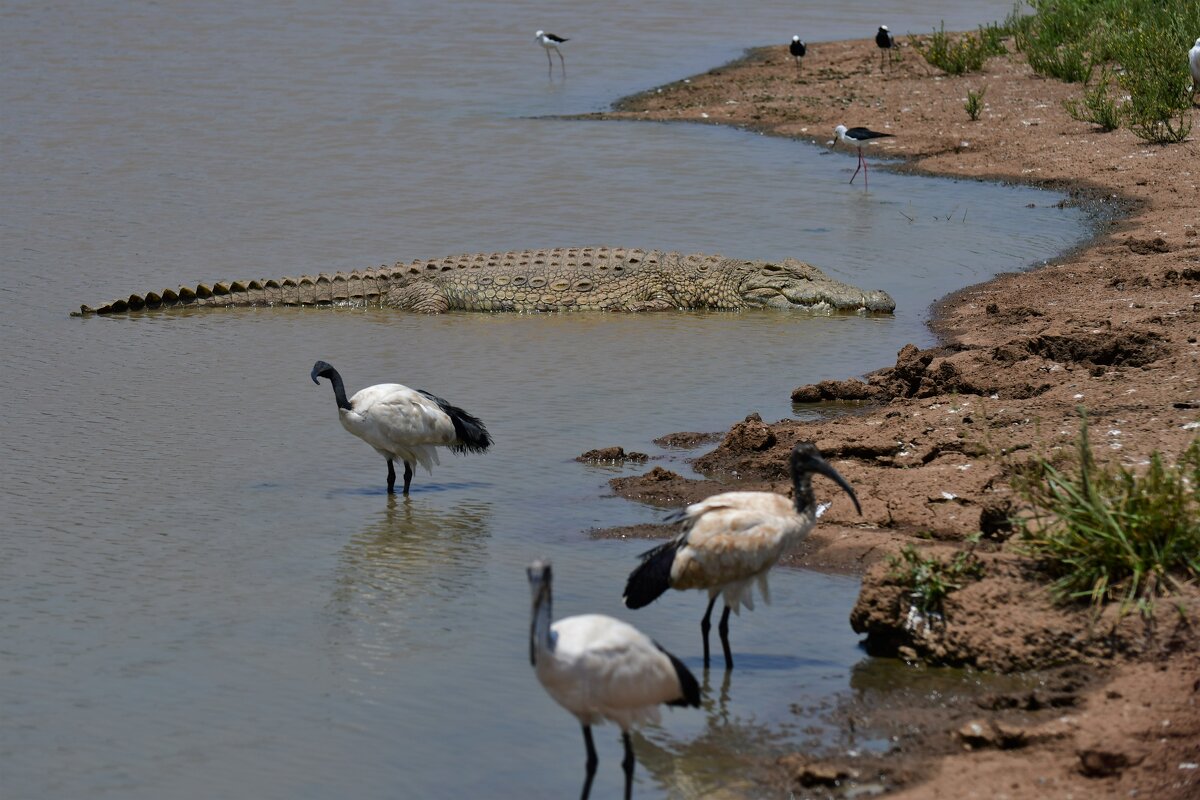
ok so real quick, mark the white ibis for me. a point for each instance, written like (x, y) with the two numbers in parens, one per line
(405, 424)
(858, 137)
(798, 48)
(885, 43)
(549, 42)
(1194, 66)
(730, 541)
(601, 669)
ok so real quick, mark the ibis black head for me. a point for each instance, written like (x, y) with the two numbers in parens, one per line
(539, 579)
(806, 459)
(322, 369)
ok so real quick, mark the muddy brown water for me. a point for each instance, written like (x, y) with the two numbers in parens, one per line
(205, 590)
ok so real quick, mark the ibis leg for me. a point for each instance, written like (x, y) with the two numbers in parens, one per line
(391, 477)
(723, 629)
(591, 762)
(706, 626)
(407, 476)
(627, 764)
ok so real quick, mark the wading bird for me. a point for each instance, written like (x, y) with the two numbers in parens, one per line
(885, 43)
(857, 137)
(403, 423)
(1194, 66)
(601, 669)
(549, 42)
(798, 48)
(730, 541)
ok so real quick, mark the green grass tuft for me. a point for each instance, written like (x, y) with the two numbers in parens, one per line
(958, 55)
(930, 580)
(974, 104)
(1109, 534)
(1143, 42)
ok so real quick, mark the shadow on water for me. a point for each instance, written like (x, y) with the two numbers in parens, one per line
(415, 489)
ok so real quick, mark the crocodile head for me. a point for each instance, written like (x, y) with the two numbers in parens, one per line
(794, 284)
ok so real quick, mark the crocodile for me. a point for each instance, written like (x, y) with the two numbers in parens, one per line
(561, 279)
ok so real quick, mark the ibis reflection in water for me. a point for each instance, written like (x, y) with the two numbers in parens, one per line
(730, 541)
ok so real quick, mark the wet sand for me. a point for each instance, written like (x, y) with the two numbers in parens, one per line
(1113, 328)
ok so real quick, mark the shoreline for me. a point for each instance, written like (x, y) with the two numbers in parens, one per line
(1112, 325)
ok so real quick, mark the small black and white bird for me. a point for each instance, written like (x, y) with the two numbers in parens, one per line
(730, 541)
(549, 42)
(405, 424)
(601, 669)
(885, 43)
(858, 137)
(797, 48)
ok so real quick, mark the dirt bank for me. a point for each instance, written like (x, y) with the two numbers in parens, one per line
(1113, 328)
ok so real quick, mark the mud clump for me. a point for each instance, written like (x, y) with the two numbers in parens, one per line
(611, 455)
(686, 440)
(1133, 349)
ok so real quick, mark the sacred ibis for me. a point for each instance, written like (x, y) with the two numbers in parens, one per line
(403, 423)
(730, 541)
(601, 669)
(549, 42)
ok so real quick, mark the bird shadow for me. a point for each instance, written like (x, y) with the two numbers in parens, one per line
(424, 488)
(754, 662)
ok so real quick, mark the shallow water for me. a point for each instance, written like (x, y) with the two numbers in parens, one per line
(206, 591)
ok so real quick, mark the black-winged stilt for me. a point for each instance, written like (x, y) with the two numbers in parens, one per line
(1194, 65)
(798, 48)
(885, 42)
(858, 137)
(549, 42)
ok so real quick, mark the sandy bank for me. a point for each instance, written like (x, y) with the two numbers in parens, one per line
(1113, 328)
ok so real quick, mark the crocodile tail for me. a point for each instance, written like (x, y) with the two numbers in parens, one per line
(360, 286)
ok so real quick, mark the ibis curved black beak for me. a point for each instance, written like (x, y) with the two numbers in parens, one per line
(828, 471)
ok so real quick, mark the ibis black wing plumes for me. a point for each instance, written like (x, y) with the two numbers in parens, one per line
(650, 579)
(687, 682)
(471, 434)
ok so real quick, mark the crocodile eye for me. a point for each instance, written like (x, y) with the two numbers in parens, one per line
(771, 269)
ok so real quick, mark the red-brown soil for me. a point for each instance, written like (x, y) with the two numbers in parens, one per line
(1113, 328)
